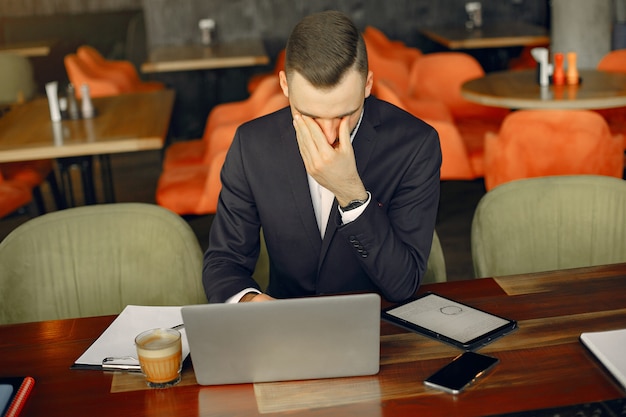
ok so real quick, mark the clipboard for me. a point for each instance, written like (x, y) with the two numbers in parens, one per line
(115, 350)
(449, 321)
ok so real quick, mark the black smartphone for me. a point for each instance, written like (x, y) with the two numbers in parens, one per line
(463, 370)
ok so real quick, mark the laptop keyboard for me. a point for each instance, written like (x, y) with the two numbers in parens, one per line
(610, 408)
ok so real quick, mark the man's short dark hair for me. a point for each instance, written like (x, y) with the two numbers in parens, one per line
(322, 47)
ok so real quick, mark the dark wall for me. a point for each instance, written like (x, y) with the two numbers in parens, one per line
(171, 22)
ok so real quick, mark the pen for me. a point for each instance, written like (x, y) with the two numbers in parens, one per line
(124, 363)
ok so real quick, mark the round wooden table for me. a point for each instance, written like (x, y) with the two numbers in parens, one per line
(521, 90)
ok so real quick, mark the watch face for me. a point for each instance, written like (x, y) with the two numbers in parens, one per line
(354, 204)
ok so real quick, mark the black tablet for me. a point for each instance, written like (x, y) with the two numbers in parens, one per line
(447, 320)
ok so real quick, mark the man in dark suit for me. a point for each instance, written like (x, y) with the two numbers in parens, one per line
(344, 186)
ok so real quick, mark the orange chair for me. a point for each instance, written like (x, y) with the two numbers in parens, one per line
(260, 102)
(279, 66)
(392, 71)
(422, 109)
(119, 71)
(614, 61)
(456, 163)
(193, 188)
(33, 174)
(536, 143)
(13, 196)
(439, 76)
(79, 73)
(377, 41)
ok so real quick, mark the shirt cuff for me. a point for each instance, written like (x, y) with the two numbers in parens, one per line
(237, 297)
(352, 215)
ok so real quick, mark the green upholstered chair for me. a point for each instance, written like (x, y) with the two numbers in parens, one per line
(95, 260)
(435, 272)
(17, 82)
(261, 272)
(548, 223)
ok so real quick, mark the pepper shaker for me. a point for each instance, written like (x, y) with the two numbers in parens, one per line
(86, 105)
(72, 104)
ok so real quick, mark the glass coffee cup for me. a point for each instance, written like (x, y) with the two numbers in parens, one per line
(160, 355)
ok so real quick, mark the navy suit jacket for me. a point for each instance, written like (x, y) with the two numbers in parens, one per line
(264, 184)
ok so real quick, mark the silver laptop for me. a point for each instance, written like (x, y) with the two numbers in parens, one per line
(306, 338)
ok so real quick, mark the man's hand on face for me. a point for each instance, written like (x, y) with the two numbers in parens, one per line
(333, 166)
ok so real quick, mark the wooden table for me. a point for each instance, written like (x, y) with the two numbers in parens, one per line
(521, 90)
(241, 53)
(542, 364)
(28, 48)
(124, 123)
(498, 35)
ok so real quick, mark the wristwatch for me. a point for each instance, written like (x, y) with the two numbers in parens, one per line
(354, 204)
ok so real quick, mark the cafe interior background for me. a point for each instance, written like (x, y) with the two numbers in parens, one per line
(128, 29)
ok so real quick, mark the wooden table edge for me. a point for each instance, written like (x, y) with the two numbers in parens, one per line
(200, 64)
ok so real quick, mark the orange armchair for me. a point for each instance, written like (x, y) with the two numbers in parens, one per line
(439, 76)
(420, 108)
(393, 72)
(13, 195)
(121, 72)
(194, 189)
(536, 143)
(456, 164)
(377, 42)
(32, 174)
(613, 61)
(192, 185)
(79, 74)
(268, 97)
(456, 161)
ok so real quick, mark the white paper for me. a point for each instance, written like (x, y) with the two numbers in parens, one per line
(118, 340)
(608, 346)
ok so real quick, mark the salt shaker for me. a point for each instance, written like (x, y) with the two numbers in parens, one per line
(207, 29)
(72, 104)
(86, 105)
(540, 54)
(53, 100)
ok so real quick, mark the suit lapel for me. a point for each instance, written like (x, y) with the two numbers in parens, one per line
(299, 187)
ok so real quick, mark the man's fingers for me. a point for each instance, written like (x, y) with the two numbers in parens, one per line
(344, 133)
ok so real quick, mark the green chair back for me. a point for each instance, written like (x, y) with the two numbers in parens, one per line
(261, 272)
(16, 78)
(549, 223)
(436, 269)
(95, 260)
